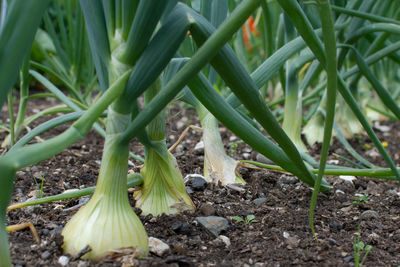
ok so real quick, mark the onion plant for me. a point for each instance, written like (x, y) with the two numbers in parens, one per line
(131, 44)
(116, 48)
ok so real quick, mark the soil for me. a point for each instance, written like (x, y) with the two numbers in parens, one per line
(280, 236)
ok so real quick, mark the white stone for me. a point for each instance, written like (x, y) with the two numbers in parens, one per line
(348, 178)
(63, 260)
(286, 235)
(157, 246)
(199, 146)
(225, 239)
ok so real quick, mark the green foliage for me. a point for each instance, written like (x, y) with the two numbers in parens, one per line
(249, 219)
(360, 248)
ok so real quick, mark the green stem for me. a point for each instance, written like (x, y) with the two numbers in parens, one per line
(379, 173)
(11, 115)
(134, 179)
(328, 32)
(112, 181)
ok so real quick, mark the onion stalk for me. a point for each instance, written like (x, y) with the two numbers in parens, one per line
(107, 222)
(218, 166)
(163, 189)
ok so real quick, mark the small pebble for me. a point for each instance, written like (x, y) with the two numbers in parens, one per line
(286, 235)
(180, 125)
(335, 226)
(189, 190)
(207, 209)
(213, 224)
(158, 247)
(198, 184)
(83, 264)
(348, 258)
(199, 148)
(225, 240)
(260, 200)
(246, 155)
(332, 241)
(232, 138)
(45, 255)
(63, 260)
(182, 228)
(369, 214)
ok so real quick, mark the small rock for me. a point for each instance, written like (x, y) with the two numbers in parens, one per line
(373, 238)
(198, 184)
(158, 247)
(232, 138)
(335, 226)
(260, 200)
(225, 240)
(393, 192)
(63, 260)
(332, 241)
(348, 178)
(286, 235)
(292, 242)
(369, 214)
(287, 179)
(348, 258)
(374, 189)
(38, 175)
(179, 148)
(182, 228)
(83, 264)
(339, 192)
(382, 128)
(180, 125)
(45, 255)
(34, 169)
(189, 190)
(263, 159)
(246, 155)
(199, 148)
(284, 181)
(213, 224)
(20, 174)
(207, 209)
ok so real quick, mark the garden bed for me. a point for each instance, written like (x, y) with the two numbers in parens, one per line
(280, 236)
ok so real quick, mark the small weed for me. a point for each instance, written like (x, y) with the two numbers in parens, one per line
(248, 220)
(360, 199)
(39, 188)
(359, 247)
(233, 147)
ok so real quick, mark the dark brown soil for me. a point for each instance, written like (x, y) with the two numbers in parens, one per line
(280, 237)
